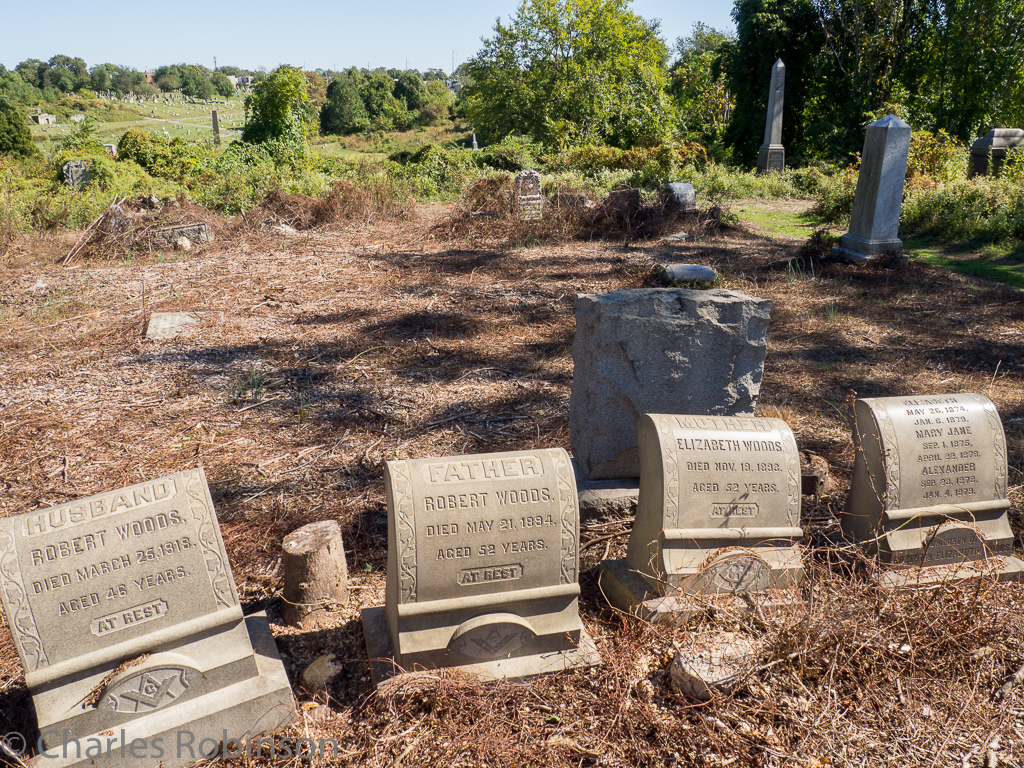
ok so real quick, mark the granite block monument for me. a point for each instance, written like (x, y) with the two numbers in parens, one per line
(928, 496)
(483, 566)
(656, 350)
(719, 513)
(772, 155)
(989, 152)
(875, 221)
(128, 626)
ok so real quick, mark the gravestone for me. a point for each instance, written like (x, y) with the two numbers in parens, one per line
(659, 349)
(681, 197)
(772, 155)
(77, 173)
(167, 325)
(528, 194)
(719, 513)
(166, 237)
(989, 152)
(128, 625)
(928, 496)
(483, 567)
(216, 127)
(685, 273)
(875, 221)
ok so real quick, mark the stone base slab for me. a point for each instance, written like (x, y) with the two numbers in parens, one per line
(771, 158)
(858, 250)
(245, 709)
(625, 589)
(996, 569)
(605, 498)
(387, 673)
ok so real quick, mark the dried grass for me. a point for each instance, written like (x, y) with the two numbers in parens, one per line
(387, 339)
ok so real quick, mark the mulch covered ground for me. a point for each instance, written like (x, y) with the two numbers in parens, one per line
(322, 353)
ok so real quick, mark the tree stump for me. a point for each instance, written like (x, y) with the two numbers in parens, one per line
(315, 574)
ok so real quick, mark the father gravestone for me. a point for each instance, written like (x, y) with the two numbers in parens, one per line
(483, 566)
(875, 221)
(772, 155)
(928, 495)
(657, 350)
(719, 513)
(128, 626)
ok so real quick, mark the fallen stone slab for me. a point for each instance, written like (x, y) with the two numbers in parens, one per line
(685, 273)
(167, 325)
(166, 237)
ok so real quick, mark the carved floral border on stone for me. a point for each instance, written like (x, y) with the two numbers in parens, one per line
(405, 531)
(206, 528)
(19, 613)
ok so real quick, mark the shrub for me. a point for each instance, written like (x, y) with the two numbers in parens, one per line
(15, 137)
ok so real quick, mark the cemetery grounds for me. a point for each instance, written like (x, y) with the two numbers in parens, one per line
(322, 352)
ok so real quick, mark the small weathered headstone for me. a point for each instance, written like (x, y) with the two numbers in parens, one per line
(653, 350)
(483, 567)
(681, 196)
(167, 325)
(772, 155)
(78, 118)
(77, 173)
(527, 187)
(128, 625)
(928, 495)
(719, 513)
(989, 152)
(875, 221)
(315, 574)
(685, 273)
(712, 665)
(166, 237)
(216, 127)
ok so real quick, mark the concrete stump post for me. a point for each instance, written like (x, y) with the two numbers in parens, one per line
(315, 574)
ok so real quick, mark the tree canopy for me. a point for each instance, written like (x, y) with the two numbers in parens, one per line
(15, 137)
(279, 108)
(571, 72)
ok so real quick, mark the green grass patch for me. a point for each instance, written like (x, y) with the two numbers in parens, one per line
(999, 263)
(780, 222)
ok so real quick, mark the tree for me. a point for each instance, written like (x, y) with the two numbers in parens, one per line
(386, 113)
(15, 137)
(279, 108)
(410, 90)
(222, 85)
(571, 71)
(343, 113)
(767, 30)
(703, 102)
(99, 78)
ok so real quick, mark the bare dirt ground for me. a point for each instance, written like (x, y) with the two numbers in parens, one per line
(321, 354)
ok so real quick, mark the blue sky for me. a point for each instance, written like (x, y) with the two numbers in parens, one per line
(312, 34)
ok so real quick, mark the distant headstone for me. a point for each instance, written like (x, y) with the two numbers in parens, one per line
(475, 146)
(681, 196)
(659, 349)
(110, 149)
(483, 567)
(685, 273)
(527, 186)
(166, 237)
(216, 127)
(989, 152)
(78, 118)
(772, 155)
(875, 221)
(719, 513)
(77, 173)
(128, 625)
(928, 496)
(167, 325)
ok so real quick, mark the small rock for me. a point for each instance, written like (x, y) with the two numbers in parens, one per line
(686, 273)
(284, 229)
(183, 244)
(38, 287)
(678, 237)
(320, 671)
(712, 665)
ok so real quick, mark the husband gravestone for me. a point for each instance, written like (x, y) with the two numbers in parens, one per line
(483, 565)
(875, 221)
(128, 626)
(928, 495)
(719, 513)
(772, 155)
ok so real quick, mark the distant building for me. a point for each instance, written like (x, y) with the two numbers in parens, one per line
(149, 77)
(455, 85)
(244, 82)
(232, 79)
(42, 118)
